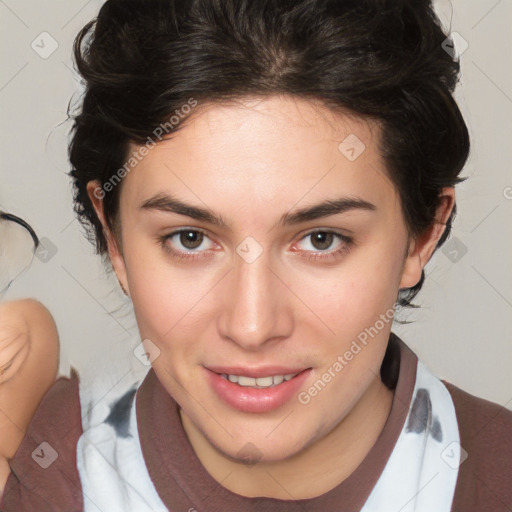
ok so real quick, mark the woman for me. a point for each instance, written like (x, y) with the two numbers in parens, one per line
(268, 180)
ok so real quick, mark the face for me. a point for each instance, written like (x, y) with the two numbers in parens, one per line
(255, 246)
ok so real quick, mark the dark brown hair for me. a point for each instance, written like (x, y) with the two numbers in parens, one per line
(142, 60)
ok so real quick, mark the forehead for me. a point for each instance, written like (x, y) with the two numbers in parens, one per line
(264, 152)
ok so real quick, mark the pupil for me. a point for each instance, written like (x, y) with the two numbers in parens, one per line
(191, 239)
(324, 240)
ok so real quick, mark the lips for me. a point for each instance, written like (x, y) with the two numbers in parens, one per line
(249, 390)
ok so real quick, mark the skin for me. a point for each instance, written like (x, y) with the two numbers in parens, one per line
(250, 162)
(29, 360)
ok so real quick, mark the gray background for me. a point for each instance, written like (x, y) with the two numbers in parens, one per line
(463, 331)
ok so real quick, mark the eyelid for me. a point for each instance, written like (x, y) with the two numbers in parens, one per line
(326, 230)
(334, 231)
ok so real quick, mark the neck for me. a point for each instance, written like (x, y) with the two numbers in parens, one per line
(316, 469)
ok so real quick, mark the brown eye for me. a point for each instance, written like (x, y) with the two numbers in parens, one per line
(187, 244)
(191, 239)
(321, 240)
(320, 245)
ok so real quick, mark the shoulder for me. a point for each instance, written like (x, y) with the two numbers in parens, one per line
(44, 474)
(485, 476)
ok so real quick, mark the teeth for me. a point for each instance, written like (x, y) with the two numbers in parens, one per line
(260, 382)
(246, 381)
(278, 379)
(265, 382)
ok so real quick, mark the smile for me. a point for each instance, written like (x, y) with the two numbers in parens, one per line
(260, 382)
(256, 391)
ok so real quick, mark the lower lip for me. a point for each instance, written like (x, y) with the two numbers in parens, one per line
(256, 400)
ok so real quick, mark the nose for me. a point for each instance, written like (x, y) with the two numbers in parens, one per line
(255, 309)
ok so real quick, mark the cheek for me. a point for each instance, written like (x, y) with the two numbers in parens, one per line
(152, 291)
(341, 300)
(170, 302)
(160, 304)
(353, 297)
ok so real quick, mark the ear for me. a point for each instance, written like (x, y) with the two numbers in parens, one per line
(96, 195)
(422, 248)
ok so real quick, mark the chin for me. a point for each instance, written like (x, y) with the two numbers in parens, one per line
(262, 447)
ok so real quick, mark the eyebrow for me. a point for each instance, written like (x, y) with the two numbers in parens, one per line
(169, 204)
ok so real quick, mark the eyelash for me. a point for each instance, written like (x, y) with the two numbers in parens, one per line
(348, 242)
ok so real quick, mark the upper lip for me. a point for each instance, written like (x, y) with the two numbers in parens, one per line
(263, 371)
